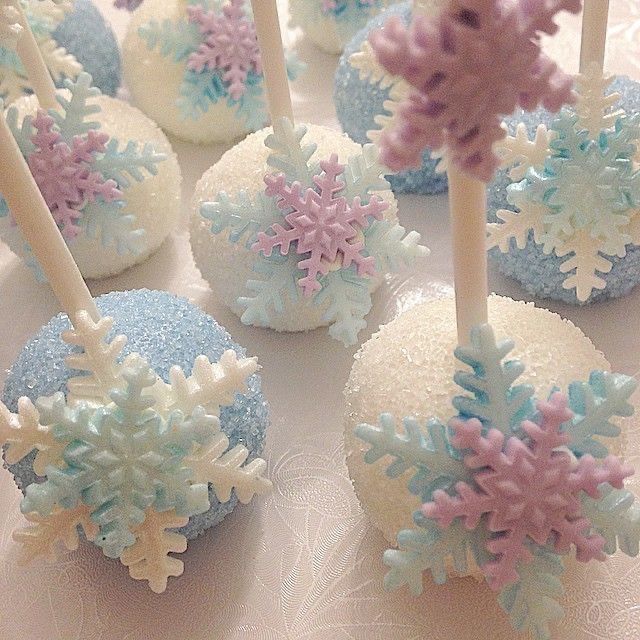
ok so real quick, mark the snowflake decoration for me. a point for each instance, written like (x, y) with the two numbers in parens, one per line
(333, 238)
(489, 50)
(575, 187)
(217, 43)
(127, 456)
(511, 483)
(82, 172)
(43, 16)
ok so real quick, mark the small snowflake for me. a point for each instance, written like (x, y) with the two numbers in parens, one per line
(579, 192)
(43, 17)
(81, 171)
(510, 483)
(128, 455)
(323, 226)
(489, 50)
(230, 45)
(333, 238)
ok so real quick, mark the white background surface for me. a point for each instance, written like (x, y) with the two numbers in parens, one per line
(302, 563)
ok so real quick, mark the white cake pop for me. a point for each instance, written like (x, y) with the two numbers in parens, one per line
(131, 201)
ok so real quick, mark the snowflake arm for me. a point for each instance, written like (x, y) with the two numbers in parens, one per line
(43, 535)
(594, 404)
(252, 107)
(364, 174)
(59, 61)
(519, 154)
(516, 226)
(22, 133)
(494, 399)
(198, 92)
(288, 154)
(369, 69)
(173, 39)
(391, 247)
(595, 108)
(107, 221)
(128, 164)
(148, 558)
(75, 111)
(10, 27)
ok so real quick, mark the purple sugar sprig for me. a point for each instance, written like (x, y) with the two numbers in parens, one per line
(527, 491)
(468, 67)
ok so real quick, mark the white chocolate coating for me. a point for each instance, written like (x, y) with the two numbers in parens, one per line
(227, 266)
(154, 82)
(155, 202)
(407, 369)
(321, 29)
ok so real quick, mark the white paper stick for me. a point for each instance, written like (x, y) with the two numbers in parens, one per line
(274, 67)
(32, 215)
(468, 211)
(595, 16)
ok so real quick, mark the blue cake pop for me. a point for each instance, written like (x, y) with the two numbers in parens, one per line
(166, 331)
(540, 272)
(359, 101)
(85, 34)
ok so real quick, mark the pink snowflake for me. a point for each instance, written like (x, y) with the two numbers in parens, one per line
(64, 174)
(324, 227)
(469, 66)
(529, 491)
(231, 45)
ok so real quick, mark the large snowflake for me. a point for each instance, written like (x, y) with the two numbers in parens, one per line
(216, 41)
(126, 455)
(487, 49)
(511, 483)
(82, 172)
(576, 186)
(43, 16)
(334, 238)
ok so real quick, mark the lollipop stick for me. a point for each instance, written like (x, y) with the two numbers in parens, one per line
(32, 214)
(31, 57)
(594, 33)
(265, 15)
(468, 210)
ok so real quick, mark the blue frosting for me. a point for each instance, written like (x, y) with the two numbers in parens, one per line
(358, 102)
(167, 331)
(538, 273)
(85, 34)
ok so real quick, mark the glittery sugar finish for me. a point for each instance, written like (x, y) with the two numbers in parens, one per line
(166, 331)
(489, 50)
(463, 473)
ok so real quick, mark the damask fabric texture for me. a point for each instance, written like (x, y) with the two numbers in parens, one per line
(303, 563)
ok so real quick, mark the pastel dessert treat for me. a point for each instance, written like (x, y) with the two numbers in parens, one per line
(107, 173)
(330, 24)
(295, 228)
(366, 96)
(195, 68)
(136, 444)
(564, 209)
(493, 459)
(73, 37)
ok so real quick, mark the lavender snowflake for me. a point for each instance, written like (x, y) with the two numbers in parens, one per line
(82, 173)
(326, 222)
(219, 48)
(511, 483)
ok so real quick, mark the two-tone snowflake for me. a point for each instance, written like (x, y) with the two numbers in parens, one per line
(43, 16)
(127, 456)
(575, 187)
(217, 42)
(325, 223)
(512, 483)
(84, 174)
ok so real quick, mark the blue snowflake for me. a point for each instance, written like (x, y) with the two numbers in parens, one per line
(207, 79)
(344, 293)
(104, 217)
(439, 471)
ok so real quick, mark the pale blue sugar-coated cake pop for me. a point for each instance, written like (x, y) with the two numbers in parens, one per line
(85, 34)
(359, 101)
(540, 273)
(167, 331)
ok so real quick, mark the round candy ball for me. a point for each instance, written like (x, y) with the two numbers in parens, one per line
(227, 266)
(330, 24)
(359, 101)
(155, 201)
(539, 273)
(85, 34)
(407, 369)
(155, 68)
(167, 331)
